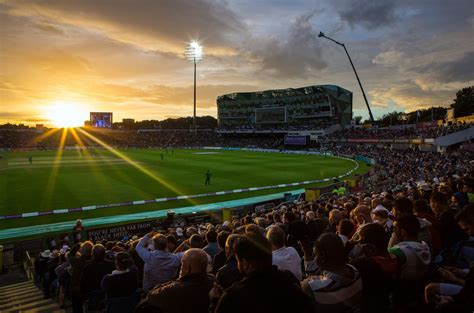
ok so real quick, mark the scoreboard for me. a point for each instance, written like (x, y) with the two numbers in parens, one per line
(101, 119)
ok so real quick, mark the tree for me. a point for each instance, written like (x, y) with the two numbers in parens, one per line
(357, 120)
(392, 118)
(464, 103)
(203, 122)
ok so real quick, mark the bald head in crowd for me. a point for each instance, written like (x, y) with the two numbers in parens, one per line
(335, 216)
(362, 214)
(160, 242)
(276, 237)
(229, 245)
(194, 261)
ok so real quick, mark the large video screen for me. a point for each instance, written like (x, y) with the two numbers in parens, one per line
(101, 119)
(270, 115)
(295, 140)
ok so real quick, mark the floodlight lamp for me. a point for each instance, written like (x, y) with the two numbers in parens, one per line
(193, 52)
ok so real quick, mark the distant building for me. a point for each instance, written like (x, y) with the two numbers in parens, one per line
(306, 108)
(128, 121)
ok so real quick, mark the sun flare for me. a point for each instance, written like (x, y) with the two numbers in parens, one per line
(63, 114)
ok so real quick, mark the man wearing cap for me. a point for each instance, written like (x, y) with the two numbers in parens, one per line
(381, 215)
(179, 234)
(50, 275)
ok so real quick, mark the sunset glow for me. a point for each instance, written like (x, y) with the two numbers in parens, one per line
(129, 60)
(63, 114)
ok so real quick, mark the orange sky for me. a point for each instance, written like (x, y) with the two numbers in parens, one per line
(127, 56)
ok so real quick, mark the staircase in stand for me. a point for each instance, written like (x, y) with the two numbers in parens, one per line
(25, 297)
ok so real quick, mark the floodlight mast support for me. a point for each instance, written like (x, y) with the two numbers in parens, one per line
(321, 34)
(194, 116)
(193, 53)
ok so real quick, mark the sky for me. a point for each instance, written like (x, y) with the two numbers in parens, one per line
(127, 57)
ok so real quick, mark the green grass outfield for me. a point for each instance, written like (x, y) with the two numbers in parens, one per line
(77, 180)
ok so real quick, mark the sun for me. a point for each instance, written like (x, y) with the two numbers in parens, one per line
(62, 114)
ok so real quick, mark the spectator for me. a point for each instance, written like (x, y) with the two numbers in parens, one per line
(229, 273)
(78, 229)
(413, 256)
(338, 288)
(449, 230)
(380, 215)
(297, 230)
(190, 292)
(93, 273)
(344, 230)
(404, 206)
(78, 257)
(212, 247)
(161, 266)
(220, 258)
(285, 258)
(335, 216)
(423, 211)
(376, 267)
(123, 281)
(254, 260)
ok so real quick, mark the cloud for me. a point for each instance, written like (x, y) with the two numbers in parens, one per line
(162, 95)
(49, 28)
(389, 58)
(296, 56)
(368, 14)
(459, 70)
(409, 95)
(127, 56)
(163, 25)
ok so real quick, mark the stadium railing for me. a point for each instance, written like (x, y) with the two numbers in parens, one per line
(28, 266)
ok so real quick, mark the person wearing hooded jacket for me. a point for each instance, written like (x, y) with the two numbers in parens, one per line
(413, 256)
(404, 206)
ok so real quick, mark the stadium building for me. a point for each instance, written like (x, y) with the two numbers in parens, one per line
(312, 108)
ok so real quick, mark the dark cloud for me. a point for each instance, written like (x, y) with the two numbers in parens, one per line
(460, 70)
(49, 28)
(7, 115)
(368, 13)
(37, 120)
(166, 21)
(297, 56)
(163, 95)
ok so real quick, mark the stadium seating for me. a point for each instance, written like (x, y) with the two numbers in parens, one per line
(398, 240)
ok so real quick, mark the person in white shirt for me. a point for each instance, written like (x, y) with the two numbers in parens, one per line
(285, 258)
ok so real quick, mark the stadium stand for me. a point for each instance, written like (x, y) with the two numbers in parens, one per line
(401, 240)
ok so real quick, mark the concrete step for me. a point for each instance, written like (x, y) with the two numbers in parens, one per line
(2, 289)
(26, 297)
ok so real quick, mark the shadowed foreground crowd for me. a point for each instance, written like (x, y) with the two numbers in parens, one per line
(407, 246)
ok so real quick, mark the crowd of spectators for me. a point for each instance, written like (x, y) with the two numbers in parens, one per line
(294, 125)
(398, 169)
(31, 139)
(400, 241)
(394, 133)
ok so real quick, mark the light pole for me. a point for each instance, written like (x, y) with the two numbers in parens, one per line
(321, 34)
(193, 53)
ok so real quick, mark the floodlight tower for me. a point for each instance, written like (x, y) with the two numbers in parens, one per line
(321, 34)
(193, 53)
